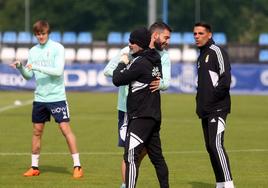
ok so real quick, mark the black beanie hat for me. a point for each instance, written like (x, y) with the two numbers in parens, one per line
(141, 37)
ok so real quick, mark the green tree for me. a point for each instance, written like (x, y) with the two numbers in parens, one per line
(11, 15)
(241, 20)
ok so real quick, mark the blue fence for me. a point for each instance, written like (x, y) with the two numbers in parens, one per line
(246, 79)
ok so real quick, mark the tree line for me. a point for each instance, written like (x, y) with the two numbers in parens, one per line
(241, 20)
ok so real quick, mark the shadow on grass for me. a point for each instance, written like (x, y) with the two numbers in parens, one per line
(54, 169)
(201, 185)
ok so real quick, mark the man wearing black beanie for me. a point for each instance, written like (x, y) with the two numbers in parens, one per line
(143, 106)
(141, 37)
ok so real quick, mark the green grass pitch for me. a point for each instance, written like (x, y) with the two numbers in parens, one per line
(94, 122)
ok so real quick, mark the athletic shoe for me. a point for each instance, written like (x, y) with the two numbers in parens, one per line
(78, 172)
(123, 185)
(32, 172)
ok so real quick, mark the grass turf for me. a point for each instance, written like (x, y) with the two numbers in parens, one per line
(94, 122)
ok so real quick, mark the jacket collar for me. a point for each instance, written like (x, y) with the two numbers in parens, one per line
(207, 45)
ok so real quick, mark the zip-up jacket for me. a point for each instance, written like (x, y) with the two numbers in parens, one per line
(142, 70)
(214, 79)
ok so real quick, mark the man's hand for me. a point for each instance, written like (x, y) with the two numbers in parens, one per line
(15, 64)
(29, 66)
(124, 59)
(154, 85)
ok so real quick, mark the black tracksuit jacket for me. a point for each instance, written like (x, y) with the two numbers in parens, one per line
(214, 78)
(144, 68)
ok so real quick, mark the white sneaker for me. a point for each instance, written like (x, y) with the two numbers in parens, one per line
(123, 185)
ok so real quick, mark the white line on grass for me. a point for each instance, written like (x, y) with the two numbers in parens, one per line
(120, 153)
(23, 103)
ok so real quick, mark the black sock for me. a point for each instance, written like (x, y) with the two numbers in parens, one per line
(35, 167)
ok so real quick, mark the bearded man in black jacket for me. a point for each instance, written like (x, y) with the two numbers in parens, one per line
(143, 106)
(213, 100)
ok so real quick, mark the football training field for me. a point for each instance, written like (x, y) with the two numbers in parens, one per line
(94, 122)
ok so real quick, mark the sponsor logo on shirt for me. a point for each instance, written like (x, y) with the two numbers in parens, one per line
(156, 72)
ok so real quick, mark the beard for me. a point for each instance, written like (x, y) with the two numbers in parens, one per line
(160, 46)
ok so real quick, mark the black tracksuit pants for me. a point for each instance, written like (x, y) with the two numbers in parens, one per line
(213, 129)
(144, 133)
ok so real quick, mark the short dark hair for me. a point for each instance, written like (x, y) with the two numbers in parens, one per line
(205, 25)
(41, 26)
(159, 25)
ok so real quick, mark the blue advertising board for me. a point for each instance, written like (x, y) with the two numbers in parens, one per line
(246, 79)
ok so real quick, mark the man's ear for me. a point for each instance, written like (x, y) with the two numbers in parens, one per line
(210, 35)
(155, 35)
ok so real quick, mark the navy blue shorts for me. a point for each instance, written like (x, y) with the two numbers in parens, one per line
(122, 128)
(43, 110)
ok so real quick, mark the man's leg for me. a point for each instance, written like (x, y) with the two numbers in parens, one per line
(138, 133)
(38, 129)
(60, 112)
(122, 128)
(71, 141)
(69, 136)
(36, 147)
(39, 116)
(156, 156)
(123, 174)
(213, 128)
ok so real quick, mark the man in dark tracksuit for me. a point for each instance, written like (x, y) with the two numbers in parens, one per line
(213, 101)
(143, 106)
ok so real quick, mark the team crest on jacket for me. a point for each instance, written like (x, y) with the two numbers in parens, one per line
(156, 72)
(206, 60)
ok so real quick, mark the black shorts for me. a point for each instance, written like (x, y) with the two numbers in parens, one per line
(43, 110)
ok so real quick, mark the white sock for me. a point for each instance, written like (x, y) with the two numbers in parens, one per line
(76, 159)
(227, 184)
(35, 160)
(220, 185)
